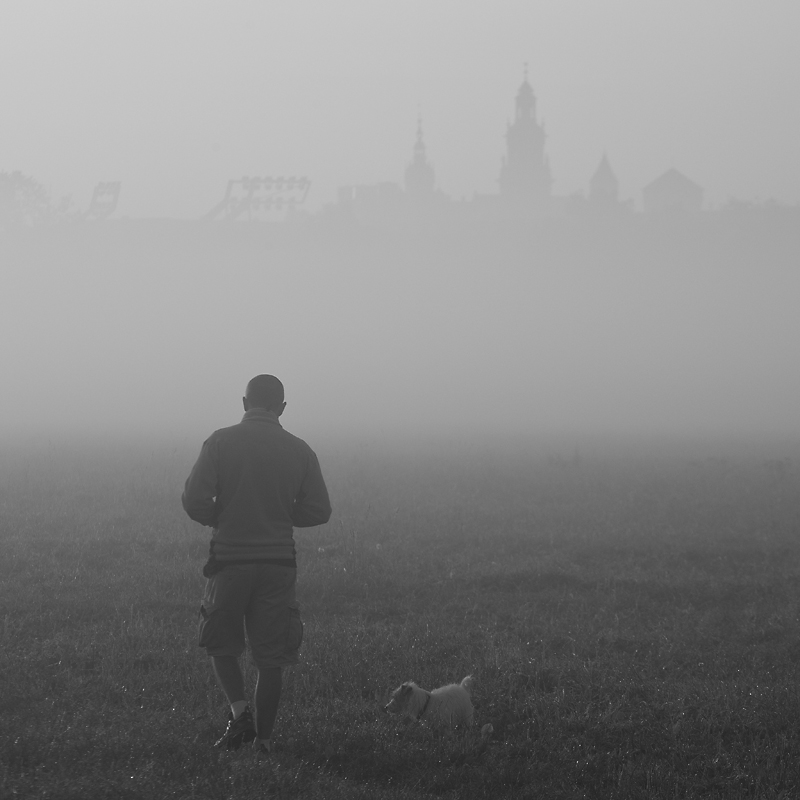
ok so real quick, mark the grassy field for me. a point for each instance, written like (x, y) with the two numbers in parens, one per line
(632, 623)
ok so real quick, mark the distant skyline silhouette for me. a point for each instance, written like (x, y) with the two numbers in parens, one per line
(525, 180)
(174, 101)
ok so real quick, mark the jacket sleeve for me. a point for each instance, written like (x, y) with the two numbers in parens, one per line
(312, 505)
(201, 490)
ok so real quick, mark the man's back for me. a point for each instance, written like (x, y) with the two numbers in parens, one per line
(253, 483)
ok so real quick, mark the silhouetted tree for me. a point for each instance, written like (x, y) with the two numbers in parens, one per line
(24, 202)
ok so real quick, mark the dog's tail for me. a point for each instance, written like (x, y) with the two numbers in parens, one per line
(467, 683)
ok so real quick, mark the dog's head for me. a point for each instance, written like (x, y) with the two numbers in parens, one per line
(399, 698)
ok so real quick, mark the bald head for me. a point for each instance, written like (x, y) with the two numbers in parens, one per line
(264, 391)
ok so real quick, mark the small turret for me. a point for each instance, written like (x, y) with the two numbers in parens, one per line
(604, 186)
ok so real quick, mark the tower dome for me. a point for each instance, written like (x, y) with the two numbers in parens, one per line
(526, 100)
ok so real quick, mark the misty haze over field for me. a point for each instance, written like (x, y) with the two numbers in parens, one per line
(567, 326)
(558, 219)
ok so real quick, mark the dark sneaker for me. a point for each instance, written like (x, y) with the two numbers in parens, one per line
(265, 754)
(239, 731)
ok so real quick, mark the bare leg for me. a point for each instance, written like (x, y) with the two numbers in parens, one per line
(229, 676)
(268, 695)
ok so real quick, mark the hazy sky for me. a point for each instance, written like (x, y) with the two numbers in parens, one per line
(173, 97)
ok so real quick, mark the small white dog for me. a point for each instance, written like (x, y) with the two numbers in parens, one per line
(450, 705)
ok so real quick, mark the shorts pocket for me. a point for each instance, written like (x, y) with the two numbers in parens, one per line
(221, 632)
(205, 627)
(294, 633)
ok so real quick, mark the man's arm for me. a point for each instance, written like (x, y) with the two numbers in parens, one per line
(312, 505)
(201, 489)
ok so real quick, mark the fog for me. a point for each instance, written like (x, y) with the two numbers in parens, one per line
(642, 326)
(393, 310)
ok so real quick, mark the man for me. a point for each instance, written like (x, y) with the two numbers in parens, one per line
(253, 483)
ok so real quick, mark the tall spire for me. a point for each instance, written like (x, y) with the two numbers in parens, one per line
(419, 174)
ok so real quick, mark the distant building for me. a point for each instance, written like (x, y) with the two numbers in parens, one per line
(672, 191)
(373, 202)
(525, 171)
(383, 194)
(420, 178)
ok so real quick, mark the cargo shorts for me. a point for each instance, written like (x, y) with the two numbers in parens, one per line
(258, 598)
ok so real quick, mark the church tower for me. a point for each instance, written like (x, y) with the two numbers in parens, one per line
(525, 171)
(420, 177)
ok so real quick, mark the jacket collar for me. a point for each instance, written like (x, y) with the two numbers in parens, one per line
(261, 415)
